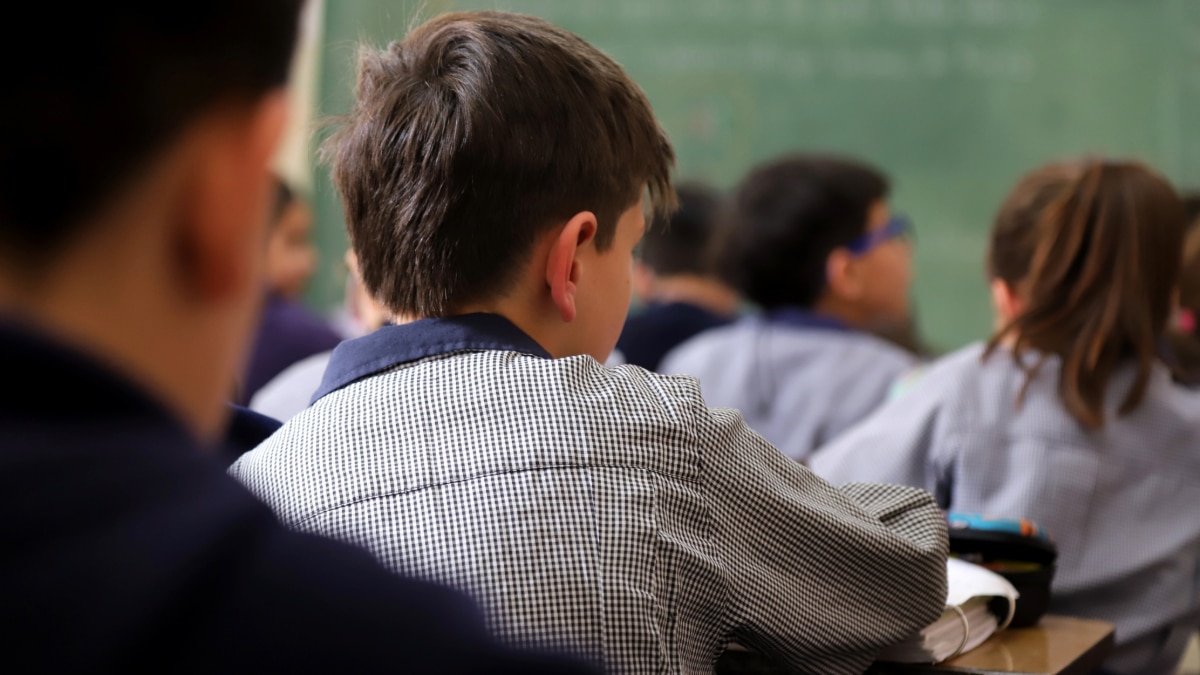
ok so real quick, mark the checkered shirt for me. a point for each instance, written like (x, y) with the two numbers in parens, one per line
(606, 511)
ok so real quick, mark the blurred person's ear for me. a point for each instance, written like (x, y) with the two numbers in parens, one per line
(215, 264)
(843, 279)
(228, 192)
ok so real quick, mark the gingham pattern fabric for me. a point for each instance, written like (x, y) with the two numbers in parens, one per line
(798, 387)
(606, 511)
(1121, 503)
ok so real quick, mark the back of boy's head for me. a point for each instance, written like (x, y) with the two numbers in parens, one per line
(1093, 252)
(789, 215)
(86, 115)
(474, 137)
(681, 243)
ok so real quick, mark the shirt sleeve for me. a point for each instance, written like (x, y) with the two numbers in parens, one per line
(819, 577)
(904, 443)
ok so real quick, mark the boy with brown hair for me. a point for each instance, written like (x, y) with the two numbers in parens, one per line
(493, 172)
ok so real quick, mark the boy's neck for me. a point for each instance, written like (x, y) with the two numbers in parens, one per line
(111, 301)
(519, 314)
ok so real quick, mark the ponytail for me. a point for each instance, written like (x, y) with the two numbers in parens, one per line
(1104, 258)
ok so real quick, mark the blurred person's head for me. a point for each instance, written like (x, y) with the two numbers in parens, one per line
(1084, 263)
(134, 185)
(817, 233)
(291, 256)
(495, 163)
(676, 258)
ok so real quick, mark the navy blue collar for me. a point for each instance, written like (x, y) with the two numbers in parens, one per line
(391, 346)
(803, 318)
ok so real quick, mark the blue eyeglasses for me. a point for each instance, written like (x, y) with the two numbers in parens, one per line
(897, 227)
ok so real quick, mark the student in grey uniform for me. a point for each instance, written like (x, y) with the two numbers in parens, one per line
(1065, 416)
(817, 247)
(290, 392)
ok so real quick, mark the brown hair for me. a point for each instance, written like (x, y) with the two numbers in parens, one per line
(1093, 251)
(789, 215)
(474, 136)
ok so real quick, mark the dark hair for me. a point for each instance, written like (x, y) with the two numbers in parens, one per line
(681, 243)
(123, 80)
(1094, 252)
(788, 216)
(474, 136)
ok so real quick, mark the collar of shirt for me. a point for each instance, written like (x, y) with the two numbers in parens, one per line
(391, 346)
(803, 318)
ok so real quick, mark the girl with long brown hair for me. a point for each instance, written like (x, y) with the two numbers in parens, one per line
(1066, 416)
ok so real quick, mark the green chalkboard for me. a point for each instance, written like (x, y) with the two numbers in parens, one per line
(953, 98)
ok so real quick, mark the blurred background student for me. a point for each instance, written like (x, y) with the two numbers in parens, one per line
(1066, 416)
(815, 245)
(288, 331)
(676, 277)
(290, 391)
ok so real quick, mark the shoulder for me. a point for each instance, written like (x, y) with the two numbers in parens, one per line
(870, 351)
(494, 411)
(700, 348)
(946, 374)
(629, 385)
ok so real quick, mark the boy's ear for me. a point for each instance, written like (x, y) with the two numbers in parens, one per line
(842, 276)
(227, 193)
(563, 266)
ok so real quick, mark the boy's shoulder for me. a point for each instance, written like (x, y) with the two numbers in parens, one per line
(751, 332)
(464, 414)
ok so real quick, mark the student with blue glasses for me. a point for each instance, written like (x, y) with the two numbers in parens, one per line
(816, 246)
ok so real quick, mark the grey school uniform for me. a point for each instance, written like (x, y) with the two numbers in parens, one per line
(1123, 503)
(799, 379)
(607, 510)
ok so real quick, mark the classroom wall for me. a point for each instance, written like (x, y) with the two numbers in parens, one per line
(954, 98)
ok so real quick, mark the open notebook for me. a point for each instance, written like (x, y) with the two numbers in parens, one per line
(973, 594)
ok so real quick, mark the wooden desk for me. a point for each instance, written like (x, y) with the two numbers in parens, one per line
(1057, 646)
